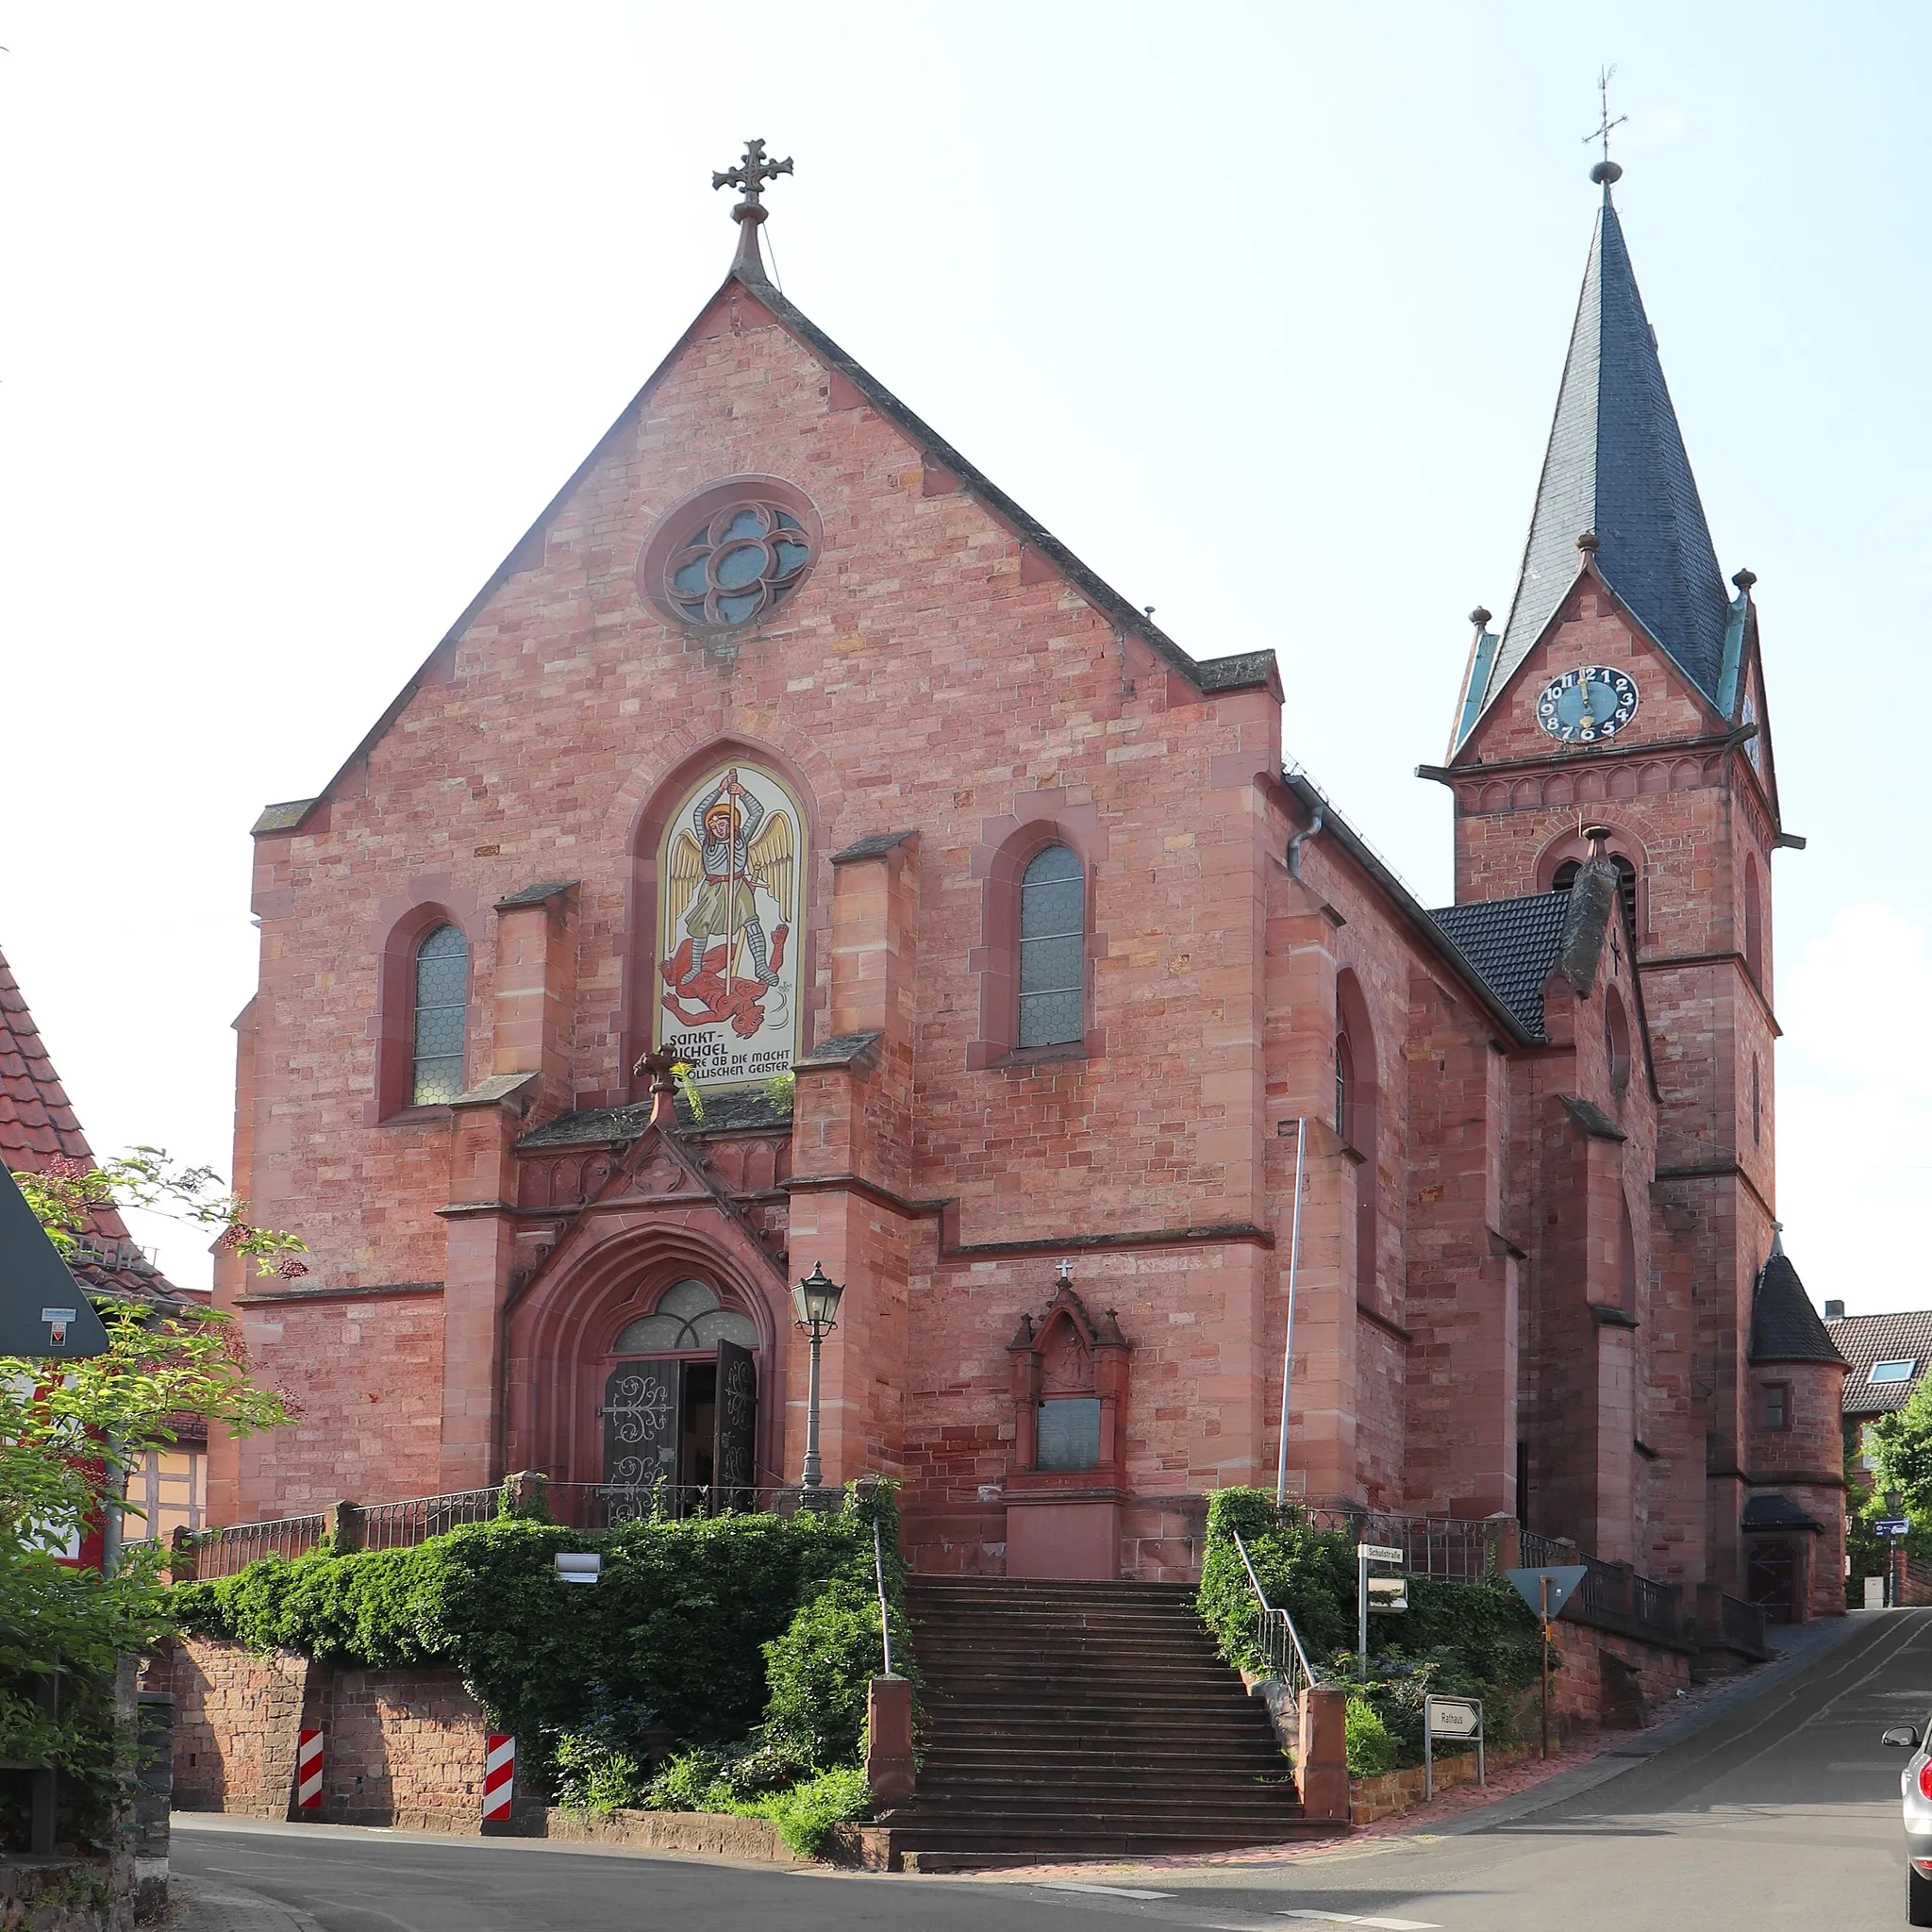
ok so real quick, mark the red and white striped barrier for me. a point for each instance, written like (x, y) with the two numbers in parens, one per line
(307, 1770)
(499, 1777)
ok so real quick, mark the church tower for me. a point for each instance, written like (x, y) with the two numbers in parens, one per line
(1625, 691)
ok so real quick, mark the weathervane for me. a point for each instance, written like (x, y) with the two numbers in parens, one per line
(1606, 170)
(749, 177)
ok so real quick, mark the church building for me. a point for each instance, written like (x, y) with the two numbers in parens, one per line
(1012, 981)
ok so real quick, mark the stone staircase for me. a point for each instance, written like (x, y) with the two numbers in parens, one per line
(1071, 1721)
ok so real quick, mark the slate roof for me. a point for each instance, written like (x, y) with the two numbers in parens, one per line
(1863, 1339)
(1776, 1510)
(1785, 1327)
(736, 1109)
(1616, 465)
(37, 1126)
(1514, 944)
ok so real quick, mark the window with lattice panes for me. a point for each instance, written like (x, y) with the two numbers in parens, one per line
(689, 1316)
(441, 1015)
(1052, 949)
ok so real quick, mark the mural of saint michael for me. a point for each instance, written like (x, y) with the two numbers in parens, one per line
(727, 962)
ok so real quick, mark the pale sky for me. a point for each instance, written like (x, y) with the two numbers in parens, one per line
(1260, 309)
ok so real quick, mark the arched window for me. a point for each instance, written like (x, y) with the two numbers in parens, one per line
(1357, 1093)
(1053, 947)
(1616, 1039)
(688, 1318)
(442, 1012)
(1754, 922)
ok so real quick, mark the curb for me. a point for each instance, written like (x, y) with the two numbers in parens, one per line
(202, 1905)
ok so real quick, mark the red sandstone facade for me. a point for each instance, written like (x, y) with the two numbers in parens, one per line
(1526, 1253)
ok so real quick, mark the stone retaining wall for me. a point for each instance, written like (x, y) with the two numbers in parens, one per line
(66, 1895)
(1369, 1798)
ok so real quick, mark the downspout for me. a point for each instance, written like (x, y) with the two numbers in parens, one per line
(1300, 838)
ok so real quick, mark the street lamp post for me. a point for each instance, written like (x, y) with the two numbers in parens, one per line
(815, 1302)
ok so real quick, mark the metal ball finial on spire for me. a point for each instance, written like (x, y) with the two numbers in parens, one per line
(749, 177)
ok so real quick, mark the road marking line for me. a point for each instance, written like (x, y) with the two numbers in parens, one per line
(1105, 1891)
(1358, 1919)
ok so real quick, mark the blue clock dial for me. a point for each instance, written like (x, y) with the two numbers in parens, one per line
(1587, 704)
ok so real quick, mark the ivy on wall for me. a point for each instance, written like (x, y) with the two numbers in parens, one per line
(702, 1629)
(1456, 1639)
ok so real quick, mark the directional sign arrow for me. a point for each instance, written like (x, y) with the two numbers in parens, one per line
(1564, 1577)
(40, 1301)
(1451, 1717)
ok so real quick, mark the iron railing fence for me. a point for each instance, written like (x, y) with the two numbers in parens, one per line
(1544, 1552)
(223, 1552)
(403, 1526)
(1454, 1549)
(1657, 1605)
(1742, 1623)
(606, 1506)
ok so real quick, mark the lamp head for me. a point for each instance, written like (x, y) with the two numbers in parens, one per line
(815, 1300)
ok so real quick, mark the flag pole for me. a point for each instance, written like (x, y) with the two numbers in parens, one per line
(1294, 1255)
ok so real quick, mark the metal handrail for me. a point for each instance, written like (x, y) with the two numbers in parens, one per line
(878, 1565)
(1271, 1623)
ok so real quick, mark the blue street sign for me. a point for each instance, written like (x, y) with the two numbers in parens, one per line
(1894, 1525)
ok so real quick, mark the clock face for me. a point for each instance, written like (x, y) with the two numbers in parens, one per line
(1586, 705)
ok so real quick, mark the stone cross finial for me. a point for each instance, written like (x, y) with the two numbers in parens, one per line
(749, 177)
(657, 1064)
(1066, 1274)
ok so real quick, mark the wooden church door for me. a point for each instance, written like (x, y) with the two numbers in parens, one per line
(734, 1452)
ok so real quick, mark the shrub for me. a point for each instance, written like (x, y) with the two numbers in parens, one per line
(1456, 1639)
(679, 1635)
(806, 1814)
(1371, 1749)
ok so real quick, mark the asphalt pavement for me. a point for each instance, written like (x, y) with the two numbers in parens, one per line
(1780, 1811)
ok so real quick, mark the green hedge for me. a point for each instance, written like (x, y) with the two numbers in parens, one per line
(708, 1628)
(1456, 1639)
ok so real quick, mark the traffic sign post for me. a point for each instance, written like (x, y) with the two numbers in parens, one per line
(1455, 1717)
(43, 1313)
(1376, 1592)
(1892, 1525)
(1547, 1591)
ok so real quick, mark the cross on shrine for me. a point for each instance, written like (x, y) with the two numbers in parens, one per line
(749, 177)
(1602, 130)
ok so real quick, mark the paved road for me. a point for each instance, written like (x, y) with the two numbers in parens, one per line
(1781, 1812)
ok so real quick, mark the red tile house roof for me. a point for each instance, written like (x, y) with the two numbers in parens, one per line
(38, 1126)
(1865, 1341)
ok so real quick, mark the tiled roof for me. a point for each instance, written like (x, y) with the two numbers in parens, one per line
(1867, 1340)
(1513, 943)
(37, 1126)
(1616, 466)
(1785, 1327)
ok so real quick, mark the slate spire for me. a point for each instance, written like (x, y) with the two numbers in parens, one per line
(1616, 467)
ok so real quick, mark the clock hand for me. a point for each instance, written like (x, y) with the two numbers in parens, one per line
(1589, 717)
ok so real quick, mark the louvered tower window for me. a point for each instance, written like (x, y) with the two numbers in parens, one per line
(1626, 884)
(442, 1000)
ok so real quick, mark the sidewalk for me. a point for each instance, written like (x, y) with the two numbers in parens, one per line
(201, 1905)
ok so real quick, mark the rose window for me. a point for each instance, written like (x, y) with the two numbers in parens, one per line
(740, 563)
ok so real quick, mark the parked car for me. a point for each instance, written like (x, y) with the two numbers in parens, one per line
(1915, 1789)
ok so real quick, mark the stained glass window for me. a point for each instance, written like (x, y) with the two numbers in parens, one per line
(687, 1317)
(1053, 945)
(740, 563)
(443, 1005)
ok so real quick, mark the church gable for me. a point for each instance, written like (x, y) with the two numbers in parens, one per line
(1538, 713)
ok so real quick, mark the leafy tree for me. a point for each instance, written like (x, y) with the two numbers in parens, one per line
(1902, 1451)
(68, 1434)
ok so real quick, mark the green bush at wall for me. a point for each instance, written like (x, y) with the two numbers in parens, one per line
(709, 1630)
(1456, 1639)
